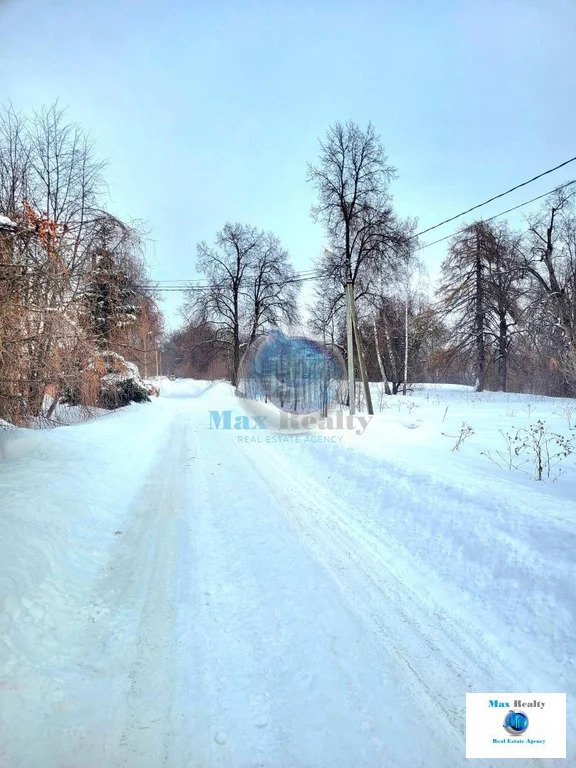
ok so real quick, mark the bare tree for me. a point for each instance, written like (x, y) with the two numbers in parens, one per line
(352, 180)
(550, 259)
(194, 351)
(52, 186)
(251, 285)
(14, 161)
(272, 288)
(226, 267)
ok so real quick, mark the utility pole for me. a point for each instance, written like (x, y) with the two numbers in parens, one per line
(145, 356)
(157, 363)
(352, 333)
(350, 343)
(361, 361)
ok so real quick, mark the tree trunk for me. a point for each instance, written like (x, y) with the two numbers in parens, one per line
(236, 339)
(562, 300)
(479, 320)
(393, 369)
(503, 354)
(53, 405)
(405, 345)
(380, 361)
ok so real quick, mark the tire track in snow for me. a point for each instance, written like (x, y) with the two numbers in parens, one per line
(137, 651)
(442, 657)
(269, 500)
(231, 655)
(149, 716)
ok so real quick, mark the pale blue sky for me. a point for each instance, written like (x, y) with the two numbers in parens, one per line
(209, 111)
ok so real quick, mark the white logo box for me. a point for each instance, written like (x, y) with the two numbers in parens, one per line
(545, 735)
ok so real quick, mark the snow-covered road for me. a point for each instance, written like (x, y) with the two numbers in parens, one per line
(235, 605)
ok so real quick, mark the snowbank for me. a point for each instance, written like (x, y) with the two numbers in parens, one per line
(62, 499)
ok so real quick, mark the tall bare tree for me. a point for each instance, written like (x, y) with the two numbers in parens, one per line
(505, 302)
(352, 180)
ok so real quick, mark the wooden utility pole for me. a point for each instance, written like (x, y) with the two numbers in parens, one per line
(361, 361)
(350, 344)
(352, 333)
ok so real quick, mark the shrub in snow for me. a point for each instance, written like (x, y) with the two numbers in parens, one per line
(121, 383)
(566, 412)
(466, 431)
(545, 450)
(118, 391)
(533, 447)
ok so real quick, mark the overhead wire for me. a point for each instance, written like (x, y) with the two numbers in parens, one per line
(183, 285)
(496, 197)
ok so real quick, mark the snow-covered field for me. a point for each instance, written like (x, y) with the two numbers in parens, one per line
(171, 596)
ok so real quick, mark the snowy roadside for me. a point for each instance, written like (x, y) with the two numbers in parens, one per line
(62, 500)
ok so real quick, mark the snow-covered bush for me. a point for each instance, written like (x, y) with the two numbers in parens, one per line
(121, 384)
(119, 391)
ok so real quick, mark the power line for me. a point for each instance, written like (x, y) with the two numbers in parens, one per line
(173, 286)
(502, 194)
(313, 274)
(199, 280)
(497, 215)
(181, 285)
(200, 289)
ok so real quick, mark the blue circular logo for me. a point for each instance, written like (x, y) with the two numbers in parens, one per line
(515, 722)
(296, 374)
